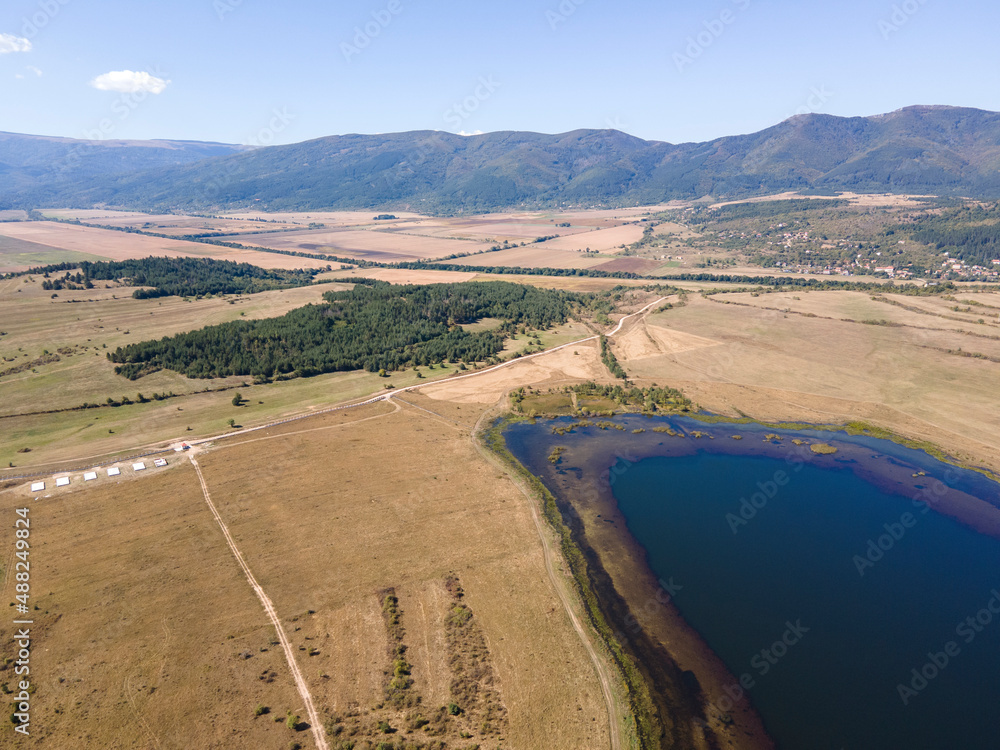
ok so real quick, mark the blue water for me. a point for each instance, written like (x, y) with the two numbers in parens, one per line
(822, 630)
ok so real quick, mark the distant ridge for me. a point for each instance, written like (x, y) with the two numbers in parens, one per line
(922, 149)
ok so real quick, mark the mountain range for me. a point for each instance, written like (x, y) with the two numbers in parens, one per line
(923, 149)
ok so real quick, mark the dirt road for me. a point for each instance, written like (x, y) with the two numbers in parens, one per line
(314, 723)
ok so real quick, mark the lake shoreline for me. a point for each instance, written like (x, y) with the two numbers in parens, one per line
(688, 680)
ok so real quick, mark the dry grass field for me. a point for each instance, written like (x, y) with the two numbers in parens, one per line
(777, 366)
(598, 240)
(535, 255)
(154, 638)
(918, 312)
(404, 275)
(875, 200)
(90, 243)
(142, 621)
(330, 218)
(366, 244)
(513, 227)
(616, 215)
(171, 224)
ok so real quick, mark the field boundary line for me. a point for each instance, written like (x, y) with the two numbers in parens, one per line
(272, 613)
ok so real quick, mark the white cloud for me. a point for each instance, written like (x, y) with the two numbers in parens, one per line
(465, 133)
(11, 43)
(129, 82)
(30, 69)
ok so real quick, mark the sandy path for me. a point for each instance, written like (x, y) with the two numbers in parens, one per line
(300, 683)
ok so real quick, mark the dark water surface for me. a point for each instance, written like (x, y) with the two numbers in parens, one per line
(824, 597)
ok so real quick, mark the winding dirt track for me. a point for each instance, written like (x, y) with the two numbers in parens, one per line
(300, 683)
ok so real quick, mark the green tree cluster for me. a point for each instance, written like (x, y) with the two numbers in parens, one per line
(371, 327)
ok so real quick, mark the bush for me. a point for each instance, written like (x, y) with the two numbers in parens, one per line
(261, 710)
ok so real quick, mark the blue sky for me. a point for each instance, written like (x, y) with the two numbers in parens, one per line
(249, 71)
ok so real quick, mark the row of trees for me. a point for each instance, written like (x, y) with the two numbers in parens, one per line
(611, 361)
(375, 326)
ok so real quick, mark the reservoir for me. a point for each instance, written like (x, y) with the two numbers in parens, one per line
(853, 596)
